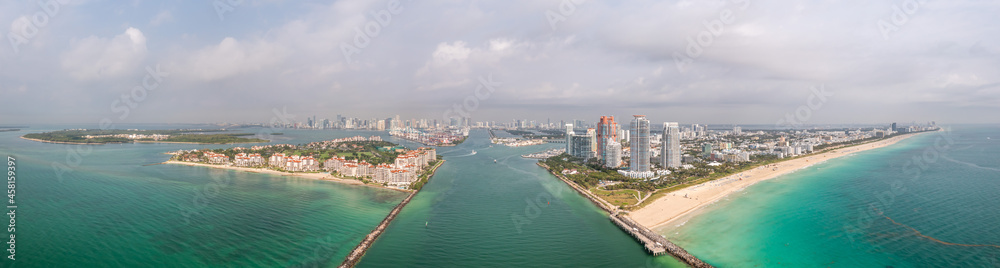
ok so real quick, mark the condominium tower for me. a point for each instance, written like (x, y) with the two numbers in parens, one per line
(639, 132)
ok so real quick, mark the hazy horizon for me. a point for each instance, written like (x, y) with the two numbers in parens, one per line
(718, 62)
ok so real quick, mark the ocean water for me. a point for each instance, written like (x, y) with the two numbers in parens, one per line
(477, 213)
(110, 209)
(865, 210)
(105, 208)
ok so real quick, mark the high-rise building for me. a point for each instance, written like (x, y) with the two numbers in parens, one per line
(706, 150)
(613, 154)
(670, 151)
(582, 146)
(593, 142)
(607, 131)
(894, 127)
(737, 130)
(569, 139)
(639, 144)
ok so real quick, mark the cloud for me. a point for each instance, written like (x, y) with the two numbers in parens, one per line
(228, 58)
(162, 17)
(104, 58)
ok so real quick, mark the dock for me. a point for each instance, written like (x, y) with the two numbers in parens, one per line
(654, 243)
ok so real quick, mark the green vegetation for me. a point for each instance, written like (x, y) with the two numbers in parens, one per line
(176, 135)
(549, 134)
(207, 138)
(625, 190)
(426, 174)
(519, 132)
(349, 150)
(9, 129)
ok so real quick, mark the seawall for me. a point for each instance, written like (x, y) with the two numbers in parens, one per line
(654, 243)
(359, 251)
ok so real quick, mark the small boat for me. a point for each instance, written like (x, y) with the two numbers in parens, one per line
(425, 224)
(494, 161)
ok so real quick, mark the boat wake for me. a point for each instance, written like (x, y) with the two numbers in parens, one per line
(468, 154)
(968, 164)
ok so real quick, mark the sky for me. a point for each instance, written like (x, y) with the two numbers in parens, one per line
(713, 62)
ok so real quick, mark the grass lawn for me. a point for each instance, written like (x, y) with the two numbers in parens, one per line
(626, 197)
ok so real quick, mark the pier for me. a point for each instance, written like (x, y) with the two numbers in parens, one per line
(654, 243)
(359, 251)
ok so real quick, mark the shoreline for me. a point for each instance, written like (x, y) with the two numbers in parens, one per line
(680, 203)
(316, 176)
(61, 142)
(359, 251)
(134, 141)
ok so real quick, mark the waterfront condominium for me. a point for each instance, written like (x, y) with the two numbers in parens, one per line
(581, 145)
(607, 131)
(639, 144)
(670, 151)
(613, 159)
(569, 139)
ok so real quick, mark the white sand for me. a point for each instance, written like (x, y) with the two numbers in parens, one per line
(315, 176)
(675, 205)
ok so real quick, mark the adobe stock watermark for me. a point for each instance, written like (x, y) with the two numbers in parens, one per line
(204, 195)
(899, 17)
(221, 179)
(281, 119)
(713, 29)
(225, 6)
(914, 168)
(532, 210)
(815, 101)
(471, 103)
(373, 27)
(566, 8)
(23, 29)
(123, 105)
(323, 252)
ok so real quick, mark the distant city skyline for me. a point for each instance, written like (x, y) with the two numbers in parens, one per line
(722, 62)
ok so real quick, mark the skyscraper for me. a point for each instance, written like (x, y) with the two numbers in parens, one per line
(670, 152)
(569, 139)
(639, 144)
(613, 158)
(593, 141)
(581, 146)
(607, 131)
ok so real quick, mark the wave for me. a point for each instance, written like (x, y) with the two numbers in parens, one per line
(945, 157)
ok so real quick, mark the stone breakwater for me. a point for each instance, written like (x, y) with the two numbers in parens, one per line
(654, 243)
(359, 251)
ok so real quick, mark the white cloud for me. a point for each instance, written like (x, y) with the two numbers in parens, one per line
(162, 17)
(456, 51)
(229, 58)
(99, 58)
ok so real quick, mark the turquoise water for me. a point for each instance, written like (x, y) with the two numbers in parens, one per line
(828, 215)
(111, 211)
(476, 213)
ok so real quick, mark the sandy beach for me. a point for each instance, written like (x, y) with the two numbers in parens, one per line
(682, 202)
(315, 176)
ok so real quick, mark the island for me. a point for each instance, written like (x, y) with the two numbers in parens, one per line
(105, 136)
(432, 136)
(357, 160)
